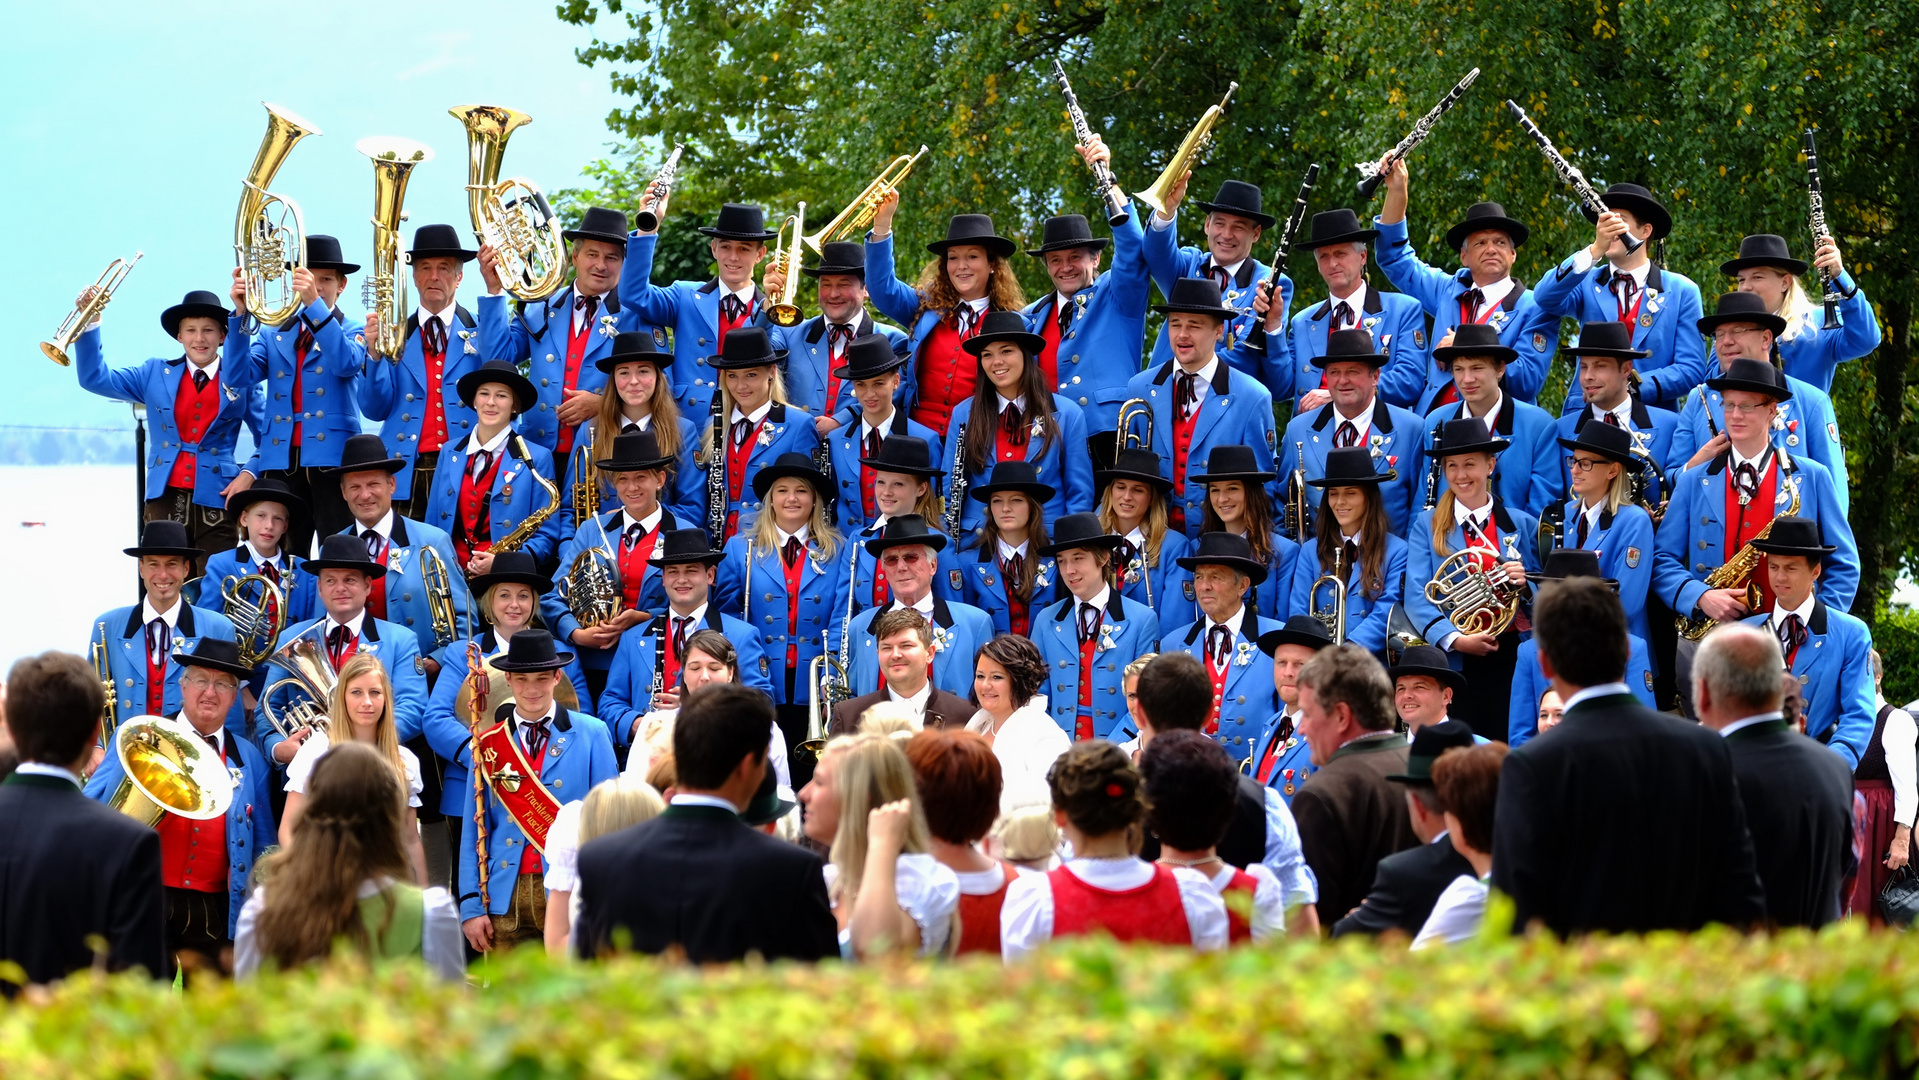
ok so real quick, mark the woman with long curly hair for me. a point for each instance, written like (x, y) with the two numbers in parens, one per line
(968, 277)
(343, 879)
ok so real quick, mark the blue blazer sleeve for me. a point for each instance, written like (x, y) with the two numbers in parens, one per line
(1633, 528)
(1076, 466)
(1556, 288)
(344, 354)
(1839, 579)
(126, 384)
(377, 388)
(401, 652)
(628, 683)
(1529, 683)
(1857, 714)
(657, 304)
(1526, 375)
(1393, 250)
(1160, 247)
(1671, 572)
(894, 298)
(1688, 366)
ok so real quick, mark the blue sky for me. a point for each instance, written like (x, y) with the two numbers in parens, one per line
(129, 126)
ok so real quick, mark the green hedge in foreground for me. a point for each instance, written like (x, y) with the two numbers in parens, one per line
(1842, 1003)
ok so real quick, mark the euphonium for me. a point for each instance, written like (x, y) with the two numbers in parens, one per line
(312, 676)
(384, 292)
(1184, 157)
(82, 315)
(269, 235)
(1736, 573)
(1334, 617)
(169, 770)
(786, 260)
(1477, 600)
(257, 608)
(512, 214)
(858, 214)
(439, 595)
(530, 524)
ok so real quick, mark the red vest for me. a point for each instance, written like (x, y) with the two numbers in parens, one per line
(476, 530)
(1273, 747)
(576, 343)
(1018, 609)
(193, 854)
(729, 325)
(633, 565)
(1049, 352)
(673, 658)
(156, 683)
(299, 366)
(1218, 677)
(736, 460)
(979, 917)
(947, 374)
(433, 425)
(1182, 448)
(1239, 928)
(193, 412)
(376, 595)
(1083, 725)
(1004, 448)
(792, 574)
(1150, 912)
(1744, 522)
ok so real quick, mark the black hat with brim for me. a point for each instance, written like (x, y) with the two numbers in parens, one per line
(685, 546)
(1765, 249)
(1351, 346)
(1429, 744)
(868, 357)
(1081, 531)
(1066, 233)
(1426, 660)
(200, 303)
(1755, 376)
(634, 347)
(1468, 436)
(975, 229)
(908, 455)
(1231, 463)
(907, 530)
(1611, 443)
(1637, 201)
(1737, 307)
(1563, 563)
(532, 650)
(1612, 339)
(504, 373)
(1340, 226)
(365, 453)
(634, 451)
(1302, 630)
(794, 465)
(1483, 216)
(739, 221)
(216, 654)
(1794, 535)
(344, 551)
(1228, 550)
(1352, 466)
(323, 253)
(268, 489)
(600, 223)
(164, 538)
(1475, 339)
(746, 347)
(510, 568)
(1019, 476)
(770, 803)
(438, 242)
(1196, 296)
(839, 257)
(1004, 326)
(1136, 464)
(1241, 199)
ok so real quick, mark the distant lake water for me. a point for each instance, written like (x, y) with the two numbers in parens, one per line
(61, 576)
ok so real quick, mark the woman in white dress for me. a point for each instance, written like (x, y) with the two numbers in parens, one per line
(1007, 675)
(1467, 780)
(888, 893)
(612, 805)
(362, 712)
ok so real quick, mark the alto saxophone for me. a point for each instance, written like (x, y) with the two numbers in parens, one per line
(1737, 573)
(530, 524)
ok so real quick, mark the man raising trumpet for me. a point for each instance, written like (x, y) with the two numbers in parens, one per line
(1235, 221)
(817, 348)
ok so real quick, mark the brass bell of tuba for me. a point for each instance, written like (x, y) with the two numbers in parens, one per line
(858, 214)
(313, 678)
(1183, 158)
(269, 234)
(169, 770)
(257, 608)
(383, 294)
(512, 214)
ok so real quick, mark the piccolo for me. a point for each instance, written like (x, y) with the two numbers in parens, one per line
(1371, 173)
(1570, 173)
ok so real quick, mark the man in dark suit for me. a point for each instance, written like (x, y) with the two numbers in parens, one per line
(696, 879)
(1797, 793)
(1619, 819)
(904, 641)
(70, 868)
(1350, 815)
(1408, 884)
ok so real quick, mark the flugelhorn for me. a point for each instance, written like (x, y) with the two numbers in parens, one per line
(169, 770)
(1334, 617)
(85, 312)
(512, 215)
(1183, 158)
(384, 292)
(786, 261)
(257, 608)
(269, 235)
(648, 219)
(858, 214)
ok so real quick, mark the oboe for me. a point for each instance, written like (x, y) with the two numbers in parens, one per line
(1569, 173)
(1109, 193)
(1370, 172)
(1817, 199)
(716, 485)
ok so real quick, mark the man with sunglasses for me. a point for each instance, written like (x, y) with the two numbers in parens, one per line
(908, 553)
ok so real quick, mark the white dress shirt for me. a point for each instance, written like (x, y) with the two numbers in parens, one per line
(1026, 917)
(1741, 725)
(1355, 310)
(1495, 293)
(1602, 690)
(1621, 412)
(753, 417)
(352, 625)
(1202, 385)
(1026, 746)
(1457, 914)
(925, 888)
(1363, 422)
(684, 798)
(1899, 739)
(915, 704)
(491, 446)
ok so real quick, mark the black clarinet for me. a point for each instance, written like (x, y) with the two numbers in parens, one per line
(1371, 175)
(659, 666)
(1300, 201)
(1433, 472)
(956, 484)
(1570, 173)
(1117, 209)
(1818, 221)
(716, 474)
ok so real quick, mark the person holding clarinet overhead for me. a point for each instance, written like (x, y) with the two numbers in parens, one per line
(1008, 575)
(1132, 506)
(749, 427)
(1354, 544)
(968, 278)
(1235, 221)
(872, 369)
(1012, 417)
(638, 397)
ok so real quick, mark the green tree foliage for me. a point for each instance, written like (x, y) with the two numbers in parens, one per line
(1701, 100)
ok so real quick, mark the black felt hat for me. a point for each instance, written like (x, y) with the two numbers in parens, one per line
(510, 568)
(685, 546)
(1468, 436)
(903, 531)
(746, 347)
(344, 551)
(1481, 216)
(1225, 549)
(1475, 339)
(1637, 201)
(1764, 249)
(1612, 339)
(907, 454)
(504, 373)
(1354, 346)
(1017, 476)
(599, 223)
(799, 465)
(1609, 442)
(214, 653)
(1196, 296)
(1563, 563)
(1340, 226)
(366, 453)
(1301, 630)
(532, 650)
(1231, 463)
(1735, 307)
(631, 347)
(1004, 326)
(198, 302)
(976, 229)
(1756, 376)
(634, 451)
(164, 538)
(1429, 743)
(323, 253)
(839, 257)
(266, 489)
(1426, 660)
(1066, 232)
(1136, 464)
(739, 221)
(868, 357)
(1794, 535)
(438, 241)
(1352, 466)
(1241, 198)
(1080, 531)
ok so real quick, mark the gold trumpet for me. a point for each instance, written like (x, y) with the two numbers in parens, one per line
(84, 313)
(1294, 510)
(1183, 158)
(383, 294)
(1334, 617)
(858, 214)
(169, 770)
(786, 261)
(311, 675)
(257, 608)
(269, 234)
(512, 214)
(586, 482)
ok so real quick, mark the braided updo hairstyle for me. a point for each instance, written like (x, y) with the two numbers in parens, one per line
(1095, 783)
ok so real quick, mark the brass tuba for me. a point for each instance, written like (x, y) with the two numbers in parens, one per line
(257, 608)
(383, 293)
(169, 770)
(858, 214)
(269, 235)
(1184, 157)
(82, 316)
(1334, 617)
(786, 260)
(512, 215)
(312, 676)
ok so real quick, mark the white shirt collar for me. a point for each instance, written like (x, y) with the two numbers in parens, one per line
(651, 521)
(1622, 412)
(1098, 599)
(1602, 690)
(784, 536)
(352, 625)
(1491, 416)
(1364, 421)
(1010, 403)
(171, 617)
(744, 294)
(698, 614)
(384, 526)
(491, 446)
(917, 702)
(1231, 623)
(1496, 292)
(219, 735)
(1758, 463)
(1062, 301)
(1740, 725)
(1591, 514)
(1231, 271)
(925, 606)
(41, 768)
(1356, 301)
(756, 415)
(686, 799)
(978, 305)
(1637, 274)
(1804, 611)
(1137, 537)
(869, 425)
(552, 708)
(255, 558)
(447, 317)
(579, 312)
(1205, 375)
(212, 370)
(627, 423)
(1007, 551)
